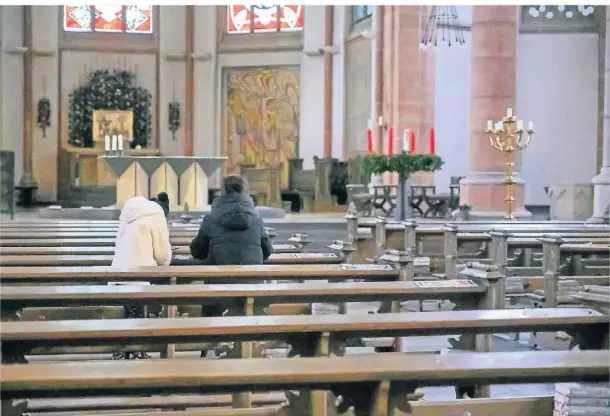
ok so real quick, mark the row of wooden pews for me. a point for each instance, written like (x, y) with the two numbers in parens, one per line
(374, 384)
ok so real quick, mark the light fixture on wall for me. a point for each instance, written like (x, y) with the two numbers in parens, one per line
(43, 117)
(568, 11)
(174, 118)
(443, 19)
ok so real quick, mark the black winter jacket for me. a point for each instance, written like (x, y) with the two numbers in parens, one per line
(232, 233)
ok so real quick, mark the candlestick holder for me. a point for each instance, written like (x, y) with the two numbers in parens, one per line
(508, 136)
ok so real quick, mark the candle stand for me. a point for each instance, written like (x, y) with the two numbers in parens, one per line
(508, 136)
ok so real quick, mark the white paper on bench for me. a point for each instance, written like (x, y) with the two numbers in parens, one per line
(128, 283)
(366, 267)
(312, 255)
(446, 283)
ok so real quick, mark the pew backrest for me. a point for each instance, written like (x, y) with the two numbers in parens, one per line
(184, 274)
(18, 297)
(139, 377)
(250, 328)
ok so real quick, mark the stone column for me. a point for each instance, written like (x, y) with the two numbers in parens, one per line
(601, 182)
(493, 69)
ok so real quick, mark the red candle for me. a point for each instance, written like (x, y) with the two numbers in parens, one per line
(369, 141)
(391, 141)
(412, 142)
(432, 142)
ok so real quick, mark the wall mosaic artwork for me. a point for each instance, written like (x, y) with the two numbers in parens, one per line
(262, 117)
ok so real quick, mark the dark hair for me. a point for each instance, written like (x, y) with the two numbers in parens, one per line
(163, 200)
(234, 184)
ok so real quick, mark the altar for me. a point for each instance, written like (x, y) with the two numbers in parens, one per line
(185, 179)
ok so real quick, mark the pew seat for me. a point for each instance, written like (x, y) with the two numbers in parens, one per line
(139, 404)
(369, 384)
(306, 333)
(505, 406)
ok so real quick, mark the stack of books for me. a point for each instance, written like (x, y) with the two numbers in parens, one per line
(567, 288)
(582, 399)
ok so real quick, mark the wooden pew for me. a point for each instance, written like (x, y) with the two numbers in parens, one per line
(235, 298)
(51, 260)
(107, 250)
(14, 298)
(409, 234)
(188, 274)
(308, 334)
(165, 403)
(509, 406)
(500, 242)
(55, 241)
(370, 384)
(371, 222)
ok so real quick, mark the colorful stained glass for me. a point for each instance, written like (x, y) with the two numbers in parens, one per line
(291, 18)
(138, 19)
(77, 18)
(108, 18)
(261, 18)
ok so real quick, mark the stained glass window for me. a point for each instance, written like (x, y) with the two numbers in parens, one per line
(108, 18)
(260, 18)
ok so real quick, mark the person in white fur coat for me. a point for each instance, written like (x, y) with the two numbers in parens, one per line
(143, 236)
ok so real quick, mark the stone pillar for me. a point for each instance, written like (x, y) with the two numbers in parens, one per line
(493, 74)
(601, 182)
(408, 76)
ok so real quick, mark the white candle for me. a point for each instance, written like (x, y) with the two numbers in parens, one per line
(499, 126)
(405, 140)
(107, 143)
(509, 112)
(114, 142)
(530, 125)
(370, 124)
(120, 142)
(519, 125)
(380, 120)
(490, 125)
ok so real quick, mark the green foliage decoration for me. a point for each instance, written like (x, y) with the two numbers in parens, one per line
(404, 163)
(109, 90)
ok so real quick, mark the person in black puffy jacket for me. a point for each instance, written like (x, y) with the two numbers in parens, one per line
(233, 232)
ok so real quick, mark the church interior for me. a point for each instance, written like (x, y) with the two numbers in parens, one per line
(434, 182)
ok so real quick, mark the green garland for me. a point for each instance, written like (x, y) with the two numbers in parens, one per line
(405, 163)
(108, 90)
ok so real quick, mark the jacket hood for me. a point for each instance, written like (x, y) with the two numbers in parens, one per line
(234, 212)
(139, 207)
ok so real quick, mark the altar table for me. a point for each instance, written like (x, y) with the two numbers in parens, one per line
(184, 178)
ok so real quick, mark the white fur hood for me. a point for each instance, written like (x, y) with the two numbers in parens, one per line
(139, 207)
(143, 236)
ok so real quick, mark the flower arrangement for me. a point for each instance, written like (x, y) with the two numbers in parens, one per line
(109, 90)
(43, 117)
(404, 163)
(174, 118)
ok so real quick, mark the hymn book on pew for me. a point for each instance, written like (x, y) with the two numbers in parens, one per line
(582, 399)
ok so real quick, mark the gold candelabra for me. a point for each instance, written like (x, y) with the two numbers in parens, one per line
(507, 135)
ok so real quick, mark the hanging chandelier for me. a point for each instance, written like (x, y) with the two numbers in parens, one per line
(444, 25)
(569, 11)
